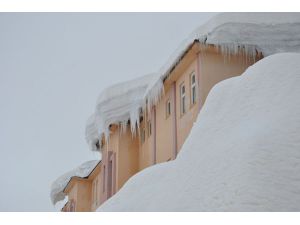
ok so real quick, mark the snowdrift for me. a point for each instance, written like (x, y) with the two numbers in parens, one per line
(268, 33)
(60, 183)
(243, 152)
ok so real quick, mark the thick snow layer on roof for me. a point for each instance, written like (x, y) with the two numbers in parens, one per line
(60, 183)
(243, 152)
(120, 103)
(268, 33)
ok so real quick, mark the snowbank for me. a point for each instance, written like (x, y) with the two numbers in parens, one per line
(243, 152)
(268, 33)
(60, 183)
(120, 103)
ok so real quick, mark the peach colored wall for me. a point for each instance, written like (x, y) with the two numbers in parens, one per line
(186, 121)
(79, 190)
(109, 147)
(127, 157)
(72, 192)
(125, 148)
(84, 196)
(146, 149)
(214, 67)
(96, 187)
(164, 131)
(210, 67)
(113, 147)
(102, 180)
(100, 176)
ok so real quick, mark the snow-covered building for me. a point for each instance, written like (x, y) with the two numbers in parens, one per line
(146, 121)
(81, 186)
(243, 152)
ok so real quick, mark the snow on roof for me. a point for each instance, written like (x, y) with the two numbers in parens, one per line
(120, 103)
(242, 153)
(268, 33)
(58, 186)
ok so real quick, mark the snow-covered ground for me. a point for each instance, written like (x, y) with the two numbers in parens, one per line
(243, 152)
(268, 33)
(60, 183)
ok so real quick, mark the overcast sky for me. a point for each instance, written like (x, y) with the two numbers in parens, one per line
(52, 68)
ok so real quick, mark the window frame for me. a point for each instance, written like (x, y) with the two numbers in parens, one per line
(149, 128)
(104, 176)
(193, 86)
(182, 99)
(168, 108)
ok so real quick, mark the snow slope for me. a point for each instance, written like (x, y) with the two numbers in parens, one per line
(268, 33)
(60, 183)
(243, 152)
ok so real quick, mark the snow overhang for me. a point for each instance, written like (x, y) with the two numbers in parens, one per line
(119, 103)
(231, 33)
(59, 185)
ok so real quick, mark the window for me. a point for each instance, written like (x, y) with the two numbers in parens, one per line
(193, 88)
(149, 128)
(103, 178)
(182, 99)
(168, 108)
(143, 135)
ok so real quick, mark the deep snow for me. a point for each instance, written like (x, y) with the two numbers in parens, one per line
(60, 183)
(268, 33)
(243, 152)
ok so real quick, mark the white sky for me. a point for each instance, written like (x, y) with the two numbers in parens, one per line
(52, 68)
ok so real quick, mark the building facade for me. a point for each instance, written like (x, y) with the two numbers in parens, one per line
(162, 130)
(84, 193)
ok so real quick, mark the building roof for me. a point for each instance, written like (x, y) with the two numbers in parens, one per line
(59, 185)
